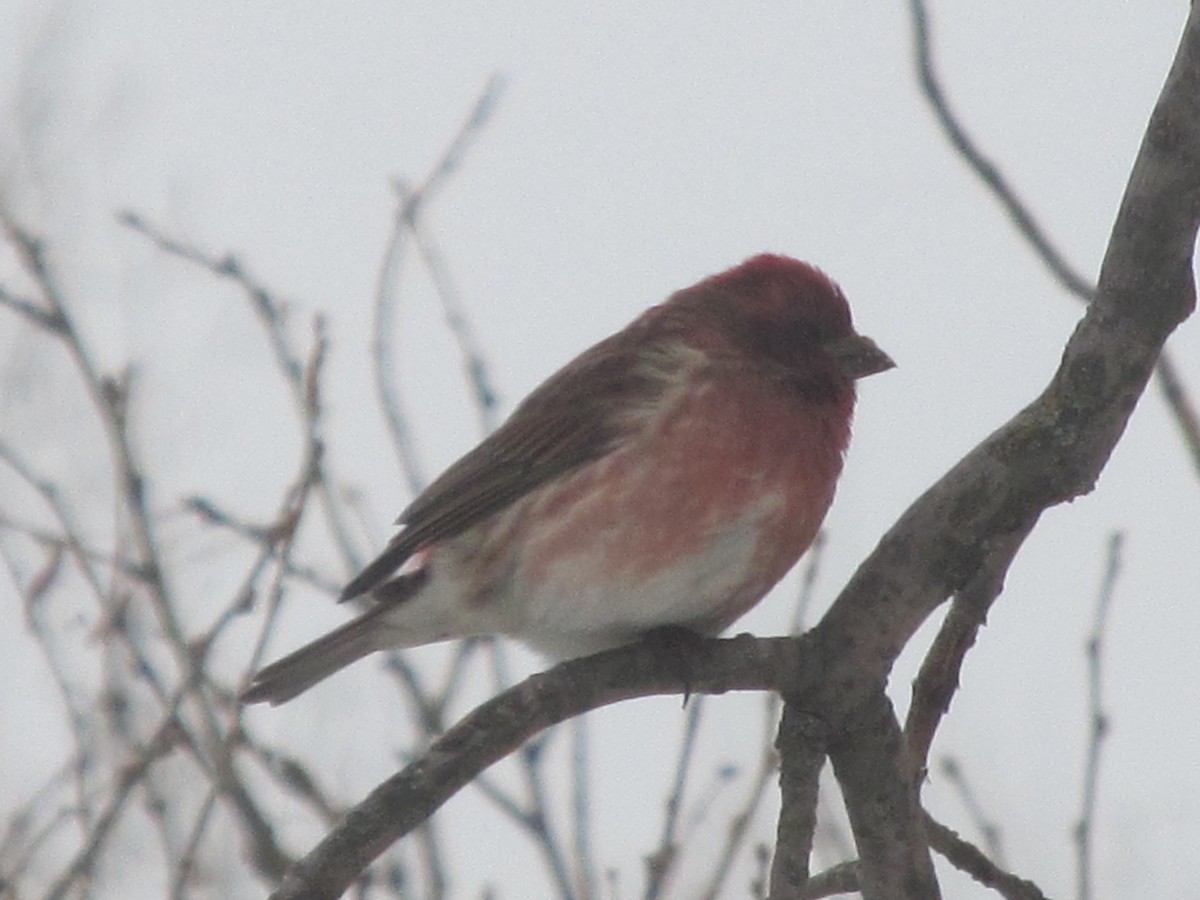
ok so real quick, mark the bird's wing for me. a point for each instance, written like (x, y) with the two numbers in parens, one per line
(577, 415)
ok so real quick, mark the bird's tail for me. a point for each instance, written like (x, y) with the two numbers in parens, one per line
(297, 672)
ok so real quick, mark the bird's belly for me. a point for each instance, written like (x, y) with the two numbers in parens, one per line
(590, 601)
(689, 528)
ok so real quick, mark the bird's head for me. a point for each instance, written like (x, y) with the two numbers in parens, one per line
(787, 312)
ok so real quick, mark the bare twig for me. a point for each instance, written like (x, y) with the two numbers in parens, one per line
(408, 208)
(938, 678)
(282, 533)
(739, 823)
(968, 858)
(839, 879)
(479, 380)
(383, 353)
(294, 777)
(1098, 728)
(44, 319)
(266, 536)
(1023, 220)
(79, 714)
(536, 819)
(988, 830)
(581, 811)
(54, 541)
(22, 836)
(127, 779)
(1180, 403)
(187, 713)
(185, 864)
(272, 314)
(661, 862)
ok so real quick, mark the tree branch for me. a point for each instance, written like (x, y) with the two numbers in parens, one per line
(970, 859)
(881, 785)
(1026, 223)
(1098, 720)
(802, 745)
(938, 678)
(501, 725)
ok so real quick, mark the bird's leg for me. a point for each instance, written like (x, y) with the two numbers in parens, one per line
(677, 645)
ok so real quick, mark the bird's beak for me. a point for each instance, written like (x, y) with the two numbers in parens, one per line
(858, 357)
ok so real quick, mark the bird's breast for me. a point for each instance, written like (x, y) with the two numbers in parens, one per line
(696, 514)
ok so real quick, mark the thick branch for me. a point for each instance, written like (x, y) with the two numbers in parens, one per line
(881, 785)
(501, 725)
(802, 748)
(1054, 449)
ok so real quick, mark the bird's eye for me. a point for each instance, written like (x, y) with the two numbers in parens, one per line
(806, 333)
(785, 342)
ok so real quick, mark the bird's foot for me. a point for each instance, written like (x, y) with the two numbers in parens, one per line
(678, 646)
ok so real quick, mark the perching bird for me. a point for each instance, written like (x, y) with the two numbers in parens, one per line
(668, 476)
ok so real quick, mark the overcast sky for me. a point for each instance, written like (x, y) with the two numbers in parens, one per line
(634, 149)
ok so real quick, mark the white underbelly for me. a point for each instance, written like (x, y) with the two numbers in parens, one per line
(581, 605)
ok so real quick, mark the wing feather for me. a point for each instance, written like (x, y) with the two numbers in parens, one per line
(576, 416)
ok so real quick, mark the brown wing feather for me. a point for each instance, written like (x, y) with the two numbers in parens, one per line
(570, 419)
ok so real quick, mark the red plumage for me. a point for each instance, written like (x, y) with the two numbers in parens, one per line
(669, 475)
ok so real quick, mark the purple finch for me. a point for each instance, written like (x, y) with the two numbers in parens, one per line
(668, 476)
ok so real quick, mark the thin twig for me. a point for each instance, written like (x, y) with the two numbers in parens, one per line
(968, 858)
(272, 314)
(288, 517)
(408, 208)
(79, 713)
(661, 862)
(530, 759)
(21, 840)
(1180, 403)
(185, 865)
(988, 829)
(265, 536)
(201, 733)
(1099, 724)
(581, 811)
(127, 779)
(455, 676)
(383, 354)
(739, 824)
(838, 879)
(430, 845)
(479, 380)
(294, 777)
(76, 544)
(987, 170)
(937, 680)
(44, 319)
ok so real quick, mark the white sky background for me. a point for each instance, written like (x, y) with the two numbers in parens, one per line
(636, 148)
